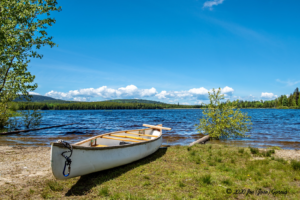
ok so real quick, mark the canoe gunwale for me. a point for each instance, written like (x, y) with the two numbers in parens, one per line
(109, 147)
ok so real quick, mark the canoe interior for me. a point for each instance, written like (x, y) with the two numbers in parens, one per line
(120, 138)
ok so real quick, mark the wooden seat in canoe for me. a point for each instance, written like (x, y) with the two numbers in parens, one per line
(100, 145)
(131, 137)
(140, 134)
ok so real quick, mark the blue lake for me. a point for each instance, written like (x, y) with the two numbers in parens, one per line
(271, 127)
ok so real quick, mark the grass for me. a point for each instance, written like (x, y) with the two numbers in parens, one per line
(103, 191)
(198, 172)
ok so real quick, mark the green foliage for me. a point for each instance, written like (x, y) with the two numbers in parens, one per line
(22, 31)
(222, 120)
(241, 150)
(55, 185)
(101, 105)
(31, 118)
(295, 164)
(104, 192)
(254, 150)
(206, 179)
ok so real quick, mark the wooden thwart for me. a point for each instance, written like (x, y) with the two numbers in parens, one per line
(157, 127)
(100, 145)
(140, 134)
(119, 139)
(125, 136)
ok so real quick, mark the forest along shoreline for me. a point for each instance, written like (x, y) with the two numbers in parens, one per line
(26, 173)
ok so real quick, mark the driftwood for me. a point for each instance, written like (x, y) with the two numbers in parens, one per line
(35, 129)
(202, 140)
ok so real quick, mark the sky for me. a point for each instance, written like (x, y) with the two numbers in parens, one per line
(171, 51)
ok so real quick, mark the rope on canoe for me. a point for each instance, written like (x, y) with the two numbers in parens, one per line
(68, 158)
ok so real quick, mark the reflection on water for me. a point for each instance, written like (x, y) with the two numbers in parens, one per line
(271, 127)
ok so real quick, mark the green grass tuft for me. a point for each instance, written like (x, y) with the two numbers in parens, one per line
(103, 192)
(226, 181)
(254, 150)
(181, 184)
(55, 186)
(241, 150)
(295, 164)
(206, 179)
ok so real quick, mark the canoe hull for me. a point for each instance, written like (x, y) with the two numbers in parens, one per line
(86, 160)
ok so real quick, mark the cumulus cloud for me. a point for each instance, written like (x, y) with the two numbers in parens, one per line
(266, 95)
(130, 91)
(210, 4)
(194, 93)
(185, 103)
(33, 93)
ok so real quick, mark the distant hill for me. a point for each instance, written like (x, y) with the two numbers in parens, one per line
(40, 98)
(135, 101)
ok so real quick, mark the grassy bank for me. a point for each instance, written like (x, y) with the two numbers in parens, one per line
(179, 172)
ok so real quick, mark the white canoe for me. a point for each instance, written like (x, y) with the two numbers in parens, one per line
(106, 151)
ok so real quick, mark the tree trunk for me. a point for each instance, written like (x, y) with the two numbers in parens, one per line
(202, 140)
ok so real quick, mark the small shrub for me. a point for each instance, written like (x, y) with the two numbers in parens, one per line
(146, 177)
(268, 153)
(211, 163)
(241, 150)
(31, 191)
(103, 192)
(295, 164)
(254, 150)
(206, 179)
(232, 160)
(189, 148)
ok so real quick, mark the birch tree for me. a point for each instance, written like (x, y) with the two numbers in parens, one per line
(23, 25)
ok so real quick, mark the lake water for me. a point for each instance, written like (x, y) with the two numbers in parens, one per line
(271, 127)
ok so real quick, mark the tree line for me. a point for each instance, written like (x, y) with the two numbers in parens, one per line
(283, 102)
(104, 105)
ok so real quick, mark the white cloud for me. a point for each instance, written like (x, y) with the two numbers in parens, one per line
(184, 103)
(266, 95)
(227, 91)
(210, 4)
(80, 99)
(194, 93)
(130, 91)
(198, 102)
(33, 93)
